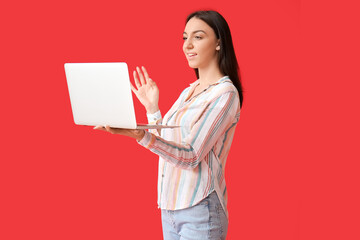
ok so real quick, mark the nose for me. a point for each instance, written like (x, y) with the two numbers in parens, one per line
(188, 44)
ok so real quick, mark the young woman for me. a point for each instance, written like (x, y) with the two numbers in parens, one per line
(191, 186)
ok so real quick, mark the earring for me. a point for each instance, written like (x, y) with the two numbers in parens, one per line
(217, 48)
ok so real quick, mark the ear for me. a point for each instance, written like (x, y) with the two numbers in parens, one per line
(218, 45)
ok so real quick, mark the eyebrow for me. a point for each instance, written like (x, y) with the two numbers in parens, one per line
(196, 31)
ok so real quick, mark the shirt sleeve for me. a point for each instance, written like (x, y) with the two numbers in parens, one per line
(154, 119)
(218, 117)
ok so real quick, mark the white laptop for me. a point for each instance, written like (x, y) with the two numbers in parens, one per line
(100, 94)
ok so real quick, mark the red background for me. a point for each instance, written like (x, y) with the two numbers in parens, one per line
(293, 170)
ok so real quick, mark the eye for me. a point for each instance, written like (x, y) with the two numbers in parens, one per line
(198, 37)
(184, 38)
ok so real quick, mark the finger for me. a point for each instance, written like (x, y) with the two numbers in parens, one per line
(108, 128)
(138, 131)
(133, 88)
(152, 82)
(145, 73)
(142, 80)
(137, 83)
(98, 127)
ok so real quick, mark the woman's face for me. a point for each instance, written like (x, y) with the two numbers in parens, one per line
(200, 44)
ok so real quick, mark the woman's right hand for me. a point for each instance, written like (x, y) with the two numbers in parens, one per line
(146, 90)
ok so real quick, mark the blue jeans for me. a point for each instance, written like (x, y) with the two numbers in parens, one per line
(206, 220)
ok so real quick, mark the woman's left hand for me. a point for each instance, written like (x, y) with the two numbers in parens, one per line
(138, 134)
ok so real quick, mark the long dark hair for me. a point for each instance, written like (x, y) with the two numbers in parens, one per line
(227, 59)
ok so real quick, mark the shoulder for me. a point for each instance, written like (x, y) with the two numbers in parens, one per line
(184, 92)
(223, 88)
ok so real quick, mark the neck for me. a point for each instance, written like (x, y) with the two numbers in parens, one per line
(210, 74)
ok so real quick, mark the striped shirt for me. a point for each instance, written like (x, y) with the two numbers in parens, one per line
(192, 157)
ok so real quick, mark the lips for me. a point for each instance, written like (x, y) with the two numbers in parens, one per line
(191, 55)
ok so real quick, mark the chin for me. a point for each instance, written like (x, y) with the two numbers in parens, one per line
(193, 65)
